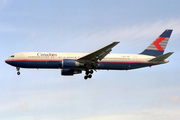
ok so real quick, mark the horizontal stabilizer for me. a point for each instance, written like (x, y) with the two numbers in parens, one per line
(161, 57)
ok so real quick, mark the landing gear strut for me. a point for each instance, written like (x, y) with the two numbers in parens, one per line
(88, 74)
(17, 68)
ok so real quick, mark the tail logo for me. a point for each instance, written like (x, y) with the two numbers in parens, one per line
(156, 43)
(157, 47)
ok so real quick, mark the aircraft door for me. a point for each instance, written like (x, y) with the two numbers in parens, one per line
(22, 56)
(135, 58)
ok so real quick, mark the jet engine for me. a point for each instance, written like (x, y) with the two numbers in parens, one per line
(70, 63)
(70, 72)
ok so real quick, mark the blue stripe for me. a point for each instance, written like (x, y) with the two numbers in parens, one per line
(56, 65)
(152, 52)
(122, 66)
(36, 64)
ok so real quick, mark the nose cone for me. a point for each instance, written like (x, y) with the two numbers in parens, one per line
(7, 60)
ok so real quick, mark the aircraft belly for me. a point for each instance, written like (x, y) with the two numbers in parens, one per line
(121, 66)
(112, 66)
(36, 64)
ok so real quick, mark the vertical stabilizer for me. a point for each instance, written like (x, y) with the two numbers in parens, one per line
(158, 46)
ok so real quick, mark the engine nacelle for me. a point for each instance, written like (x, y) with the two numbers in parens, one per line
(70, 72)
(70, 63)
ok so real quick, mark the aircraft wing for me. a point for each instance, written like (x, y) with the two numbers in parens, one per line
(97, 55)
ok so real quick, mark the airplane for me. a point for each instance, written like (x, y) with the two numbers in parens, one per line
(75, 63)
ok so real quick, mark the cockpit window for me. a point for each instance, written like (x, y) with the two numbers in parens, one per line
(12, 55)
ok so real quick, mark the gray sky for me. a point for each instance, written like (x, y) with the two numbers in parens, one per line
(84, 26)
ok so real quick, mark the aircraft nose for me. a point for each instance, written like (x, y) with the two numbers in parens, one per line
(7, 61)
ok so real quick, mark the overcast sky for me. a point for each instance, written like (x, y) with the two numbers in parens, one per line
(84, 26)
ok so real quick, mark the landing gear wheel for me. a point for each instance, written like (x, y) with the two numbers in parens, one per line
(85, 77)
(18, 73)
(90, 76)
(17, 68)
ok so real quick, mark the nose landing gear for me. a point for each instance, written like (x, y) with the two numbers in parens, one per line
(88, 74)
(18, 72)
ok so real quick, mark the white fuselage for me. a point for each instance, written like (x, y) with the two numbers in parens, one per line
(55, 60)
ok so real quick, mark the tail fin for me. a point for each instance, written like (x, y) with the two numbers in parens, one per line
(158, 46)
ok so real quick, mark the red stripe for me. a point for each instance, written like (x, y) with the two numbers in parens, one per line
(126, 62)
(156, 43)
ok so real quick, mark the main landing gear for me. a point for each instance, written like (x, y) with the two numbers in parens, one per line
(17, 68)
(88, 74)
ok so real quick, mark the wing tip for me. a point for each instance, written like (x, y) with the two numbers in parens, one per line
(171, 52)
(116, 42)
